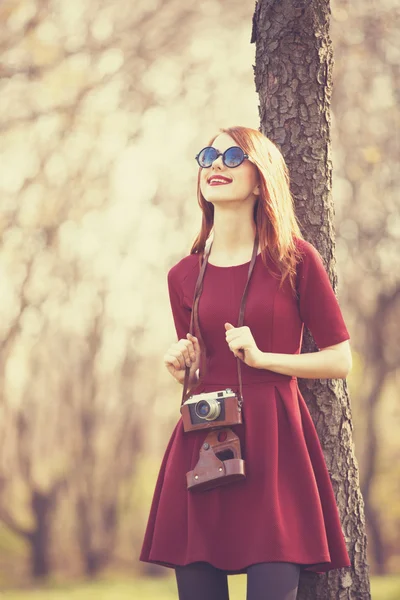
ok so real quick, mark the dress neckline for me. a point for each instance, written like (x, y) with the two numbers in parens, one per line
(246, 264)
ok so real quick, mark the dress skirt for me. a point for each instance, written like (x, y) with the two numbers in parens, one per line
(284, 510)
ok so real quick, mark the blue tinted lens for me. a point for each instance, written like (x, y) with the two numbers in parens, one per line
(233, 157)
(207, 156)
(203, 408)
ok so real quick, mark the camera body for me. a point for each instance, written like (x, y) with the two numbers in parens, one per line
(211, 410)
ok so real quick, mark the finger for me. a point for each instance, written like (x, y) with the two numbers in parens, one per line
(172, 361)
(238, 338)
(238, 352)
(184, 343)
(177, 375)
(236, 346)
(184, 347)
(177, 353)
(191, 350)
(233, 347)
(234, 352)
(238, 330)
(229, 336)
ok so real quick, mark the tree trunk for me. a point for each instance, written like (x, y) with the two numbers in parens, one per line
(96, 535)
(293, 76)
(42, 507)
(40, 567)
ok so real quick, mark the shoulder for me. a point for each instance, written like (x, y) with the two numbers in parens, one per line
(184, 268)
(308, 257)
(307, 250)
(310, 266)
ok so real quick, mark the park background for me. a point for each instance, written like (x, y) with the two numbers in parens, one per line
(103, 106)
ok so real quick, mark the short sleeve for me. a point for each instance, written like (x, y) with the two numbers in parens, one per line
(318, 305)
(181, 315)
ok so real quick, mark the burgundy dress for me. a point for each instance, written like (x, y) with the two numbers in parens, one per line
(285, 509)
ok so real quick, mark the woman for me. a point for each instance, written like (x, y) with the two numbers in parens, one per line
(283, 516)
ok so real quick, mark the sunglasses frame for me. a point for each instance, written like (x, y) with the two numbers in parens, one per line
(223, 157)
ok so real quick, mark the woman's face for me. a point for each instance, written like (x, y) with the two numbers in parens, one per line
(241, 182)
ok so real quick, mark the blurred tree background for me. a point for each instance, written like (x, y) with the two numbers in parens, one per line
(103, 106)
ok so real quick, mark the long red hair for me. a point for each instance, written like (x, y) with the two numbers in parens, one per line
(274, 214)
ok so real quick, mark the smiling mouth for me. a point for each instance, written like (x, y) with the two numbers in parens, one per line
(219, 182)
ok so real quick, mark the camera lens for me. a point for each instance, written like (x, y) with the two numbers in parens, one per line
(208, 410)
(202, 408)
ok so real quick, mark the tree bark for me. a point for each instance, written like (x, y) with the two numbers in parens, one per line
(293, 76)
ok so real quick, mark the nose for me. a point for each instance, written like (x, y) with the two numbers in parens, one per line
(218, 162)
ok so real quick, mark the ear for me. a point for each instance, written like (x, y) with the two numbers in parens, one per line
(256, 190)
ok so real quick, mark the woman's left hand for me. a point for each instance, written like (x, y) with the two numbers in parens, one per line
(240, 340)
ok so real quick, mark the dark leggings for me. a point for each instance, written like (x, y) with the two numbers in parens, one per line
(265, 581)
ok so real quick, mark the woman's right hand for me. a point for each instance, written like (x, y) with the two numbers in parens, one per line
(182, 353)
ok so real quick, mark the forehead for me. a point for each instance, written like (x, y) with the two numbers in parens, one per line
(223, 141)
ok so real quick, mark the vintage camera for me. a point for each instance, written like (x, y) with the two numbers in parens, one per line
(211, 410)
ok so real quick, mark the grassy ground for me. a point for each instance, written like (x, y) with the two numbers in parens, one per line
(383, 588)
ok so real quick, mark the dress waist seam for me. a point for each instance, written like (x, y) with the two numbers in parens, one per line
(224, 384)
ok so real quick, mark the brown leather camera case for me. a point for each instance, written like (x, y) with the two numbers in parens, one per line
(210, 471)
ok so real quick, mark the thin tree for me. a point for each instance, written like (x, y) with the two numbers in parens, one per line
(293, 76)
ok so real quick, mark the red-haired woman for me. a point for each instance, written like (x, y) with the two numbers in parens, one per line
(282, 517)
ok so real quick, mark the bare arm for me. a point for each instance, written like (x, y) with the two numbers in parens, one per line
(332, 362)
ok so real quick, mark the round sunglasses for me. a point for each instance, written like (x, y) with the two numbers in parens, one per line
(232, 157)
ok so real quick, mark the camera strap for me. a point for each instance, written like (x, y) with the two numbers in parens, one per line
(194, 319)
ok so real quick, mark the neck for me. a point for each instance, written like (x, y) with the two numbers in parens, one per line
(234, 230)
